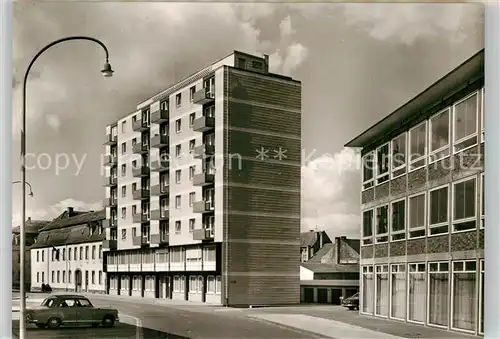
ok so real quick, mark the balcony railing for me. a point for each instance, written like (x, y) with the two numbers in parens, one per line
(142, 171)
(160, 165)
(202, 206)
(140, 240)
(140, 194)
(110, 160)
(159, 190)
(203, 150)
(203, 96)
(110, 139)
(109, 244)
(203, 178)
(159, 116)
(140, 126)
(109, 223)
(161, 214)
(203, 234)
(109, 202)
(139, 218)
(110, 181)
(160, 238)
(159, 141)
(203, 124)
(140, 148)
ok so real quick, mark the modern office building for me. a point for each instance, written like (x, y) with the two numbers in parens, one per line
(203, 189)
(422, 251)
(67, 254)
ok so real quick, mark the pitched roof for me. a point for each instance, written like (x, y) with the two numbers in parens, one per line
(31, 226)
(308, 238)
(354, 244)
(316, 258)
(330, 268)
(76, 218)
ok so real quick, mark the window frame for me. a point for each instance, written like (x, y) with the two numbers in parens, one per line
(481, 201)
(481, 115)
(466, 138)
(480, 297)
(408, 223)
(367, 184)
(459, 221)
(178, 230)
(366, 270)
(382, 235)
(452, 291)
(381, 178)
(178, 100)
(428, 289)
(408, 273)
(400, 272)
(424, 156)
(403, 166)
(444, 223)
(391, 210)
(379, 270)
(178, 176)
(371, 237)
(178, 125)
(433, 154)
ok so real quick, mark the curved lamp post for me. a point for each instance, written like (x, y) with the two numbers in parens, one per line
(107, 72)
(27, 183)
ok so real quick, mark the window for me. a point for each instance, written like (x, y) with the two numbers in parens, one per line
(100, 251)
(64, 254)
(382, 163)
(134, 142)
(93, 277)
(177, 284)
(134, 209)
(134, 187)
(417, 147)
(382, 226)
(178, 150)
(257, 64)
(398, 218)
(124, 126)
(178, 126)
(464, 205)
(192, 197)
(210, 284)
(439, 135)
(193, 283)
(124, 212)
(399, 155)
(463, 299)
(178, 99)
(368, 227)
(439, 287)
(192, 143)
(382, 290)
(37, 256)
(164, 105)
(124, 191)
(368, 170)
(134, 232)
(86, 253)
(481, 113)
(218, 285)
(398, 291)
(37, 277)
(416, 293)
(192, 116)
(191, 225)
(191, 172)
(241, 62)
(465, 122)
(69, 254)
(192, 90)
(43, 277)
(178, 226)
(177, 176)
(367, 290)
(81, 253)
(124, 148)
(75, 254)
(58, 275)
(481, 297)
(438, 210)
(482, 200)
(100, 277)
(416, 216)
(177, 201)
(124, 234)
(93, 251)
(124, 170)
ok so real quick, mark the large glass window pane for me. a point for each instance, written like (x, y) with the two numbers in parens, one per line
(466, 118)
(368, 289)
(416, 293)
(399, 152)
(382, 296)
(464, 296)
(398, 292)
(440, 131)
(417, 144)
(438, 293)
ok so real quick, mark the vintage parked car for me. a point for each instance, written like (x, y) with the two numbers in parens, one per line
(65, 309)
(352, 302)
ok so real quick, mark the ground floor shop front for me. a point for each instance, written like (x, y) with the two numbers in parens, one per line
(190, 286)
(444, 294)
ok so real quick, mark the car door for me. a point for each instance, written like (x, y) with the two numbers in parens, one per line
(67, 311)
(85, 311)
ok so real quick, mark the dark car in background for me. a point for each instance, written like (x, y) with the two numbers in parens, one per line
(352, 302)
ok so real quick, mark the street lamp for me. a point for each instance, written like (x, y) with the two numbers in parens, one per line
(27, 183)
(107, 71)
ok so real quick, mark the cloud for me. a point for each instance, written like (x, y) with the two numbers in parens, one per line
(52, 211)
(325, 181)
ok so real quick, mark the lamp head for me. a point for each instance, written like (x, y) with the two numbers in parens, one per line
(107, 71)
(31, 194)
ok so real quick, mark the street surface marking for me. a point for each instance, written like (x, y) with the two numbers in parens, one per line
(325, 327)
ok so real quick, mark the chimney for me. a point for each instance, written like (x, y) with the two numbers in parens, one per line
(337, 248)
(70, 211)
(321, 239)
(266, 61)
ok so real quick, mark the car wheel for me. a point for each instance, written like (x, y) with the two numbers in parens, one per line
(108, 321)
(54, 323)
(350, 308)
(40, 325)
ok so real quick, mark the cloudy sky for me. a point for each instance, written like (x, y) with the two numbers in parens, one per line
(357, 63)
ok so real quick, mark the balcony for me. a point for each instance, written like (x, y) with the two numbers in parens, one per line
(161, 214)
(159, 141)
(202, 179)
(203, 234)
(140, 148)
(203, 150)
(110, 181)
(160, 165)
(159, 116)
(203, 124)
(109, 202)
(110, 140)
(159, 190)
(159, 239)
(203, 96)
(142, 171)
(140, 240)
(202, 207)
(110, 160)
(140, 126)
(139, 218)
(140, 194)
(109, 244)
(109, 223)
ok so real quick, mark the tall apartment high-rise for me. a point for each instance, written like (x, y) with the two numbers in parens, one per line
(203, 189)
(422, 250)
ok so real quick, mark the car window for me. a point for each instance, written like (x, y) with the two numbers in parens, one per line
(83, 303)
(68, 303)
(49, 302)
